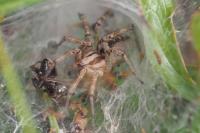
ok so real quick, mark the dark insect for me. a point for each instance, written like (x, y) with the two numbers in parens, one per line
(44, 74)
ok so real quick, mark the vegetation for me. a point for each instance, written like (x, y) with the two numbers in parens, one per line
(164, 55)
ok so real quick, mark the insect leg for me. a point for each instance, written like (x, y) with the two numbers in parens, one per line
(75, 84)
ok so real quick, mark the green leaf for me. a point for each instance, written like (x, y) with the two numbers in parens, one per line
(9, 6)
(162, 50)
(196, 121)
(158, 14)
(195, 30)
(16, 92)
(53, 123)
(52, 119)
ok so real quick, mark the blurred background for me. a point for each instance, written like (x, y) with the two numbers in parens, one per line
(164, 49)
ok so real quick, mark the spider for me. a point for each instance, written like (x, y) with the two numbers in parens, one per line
(91, 54)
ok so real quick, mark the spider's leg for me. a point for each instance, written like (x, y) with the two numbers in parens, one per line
(120, 52)
(92, 91)
(78, 41)
(75, 84)
(117, 39)
(85, 25)
(67, 53)
(105, 46)
(117, 35)
(75, 40)
(99, 22)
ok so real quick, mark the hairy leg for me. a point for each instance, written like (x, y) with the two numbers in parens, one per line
(75, 40)
(99, 22)
(85, 25)
(75, 84)
(117, 35)
(110, 39)
(92, 92)
(67, 53)
(120, 52)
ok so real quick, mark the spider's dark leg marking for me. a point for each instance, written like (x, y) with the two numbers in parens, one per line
(96, 26)
(110, 39)
(88, 36)
(117, 35)
(85, 25)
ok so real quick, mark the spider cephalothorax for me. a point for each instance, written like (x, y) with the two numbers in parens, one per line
(92, 51)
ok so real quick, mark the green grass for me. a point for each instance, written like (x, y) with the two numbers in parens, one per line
(195, 32)
(16, 92)
(163, 40)
(158, 14)
(15, 88)
(195, 29)
(9, 6)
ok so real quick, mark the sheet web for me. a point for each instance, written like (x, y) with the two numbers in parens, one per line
(132, 107)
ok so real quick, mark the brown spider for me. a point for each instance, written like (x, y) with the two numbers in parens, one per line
(90, 60)
(91, 54)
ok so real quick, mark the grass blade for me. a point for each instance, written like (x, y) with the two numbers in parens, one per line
(162, 45)
(158, 14)
(9, 6)
(195, 30)
(16, 92)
